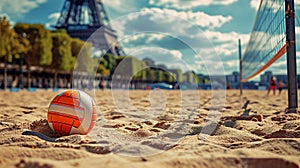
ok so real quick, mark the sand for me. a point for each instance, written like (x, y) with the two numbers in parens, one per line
(156, 129)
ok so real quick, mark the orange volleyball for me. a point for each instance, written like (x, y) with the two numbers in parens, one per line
(72, 112)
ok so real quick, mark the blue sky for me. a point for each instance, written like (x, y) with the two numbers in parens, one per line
(199, 35)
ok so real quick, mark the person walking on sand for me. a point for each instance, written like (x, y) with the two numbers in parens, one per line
(272, 85)
(280, 86)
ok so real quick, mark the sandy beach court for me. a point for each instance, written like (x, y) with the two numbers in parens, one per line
(155, 129)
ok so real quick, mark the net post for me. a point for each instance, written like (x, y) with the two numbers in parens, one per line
(241, 70)
(291, 56)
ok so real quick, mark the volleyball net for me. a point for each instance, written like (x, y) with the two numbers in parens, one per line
(267, 40)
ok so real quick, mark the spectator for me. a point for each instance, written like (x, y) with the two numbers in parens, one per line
(272, 85)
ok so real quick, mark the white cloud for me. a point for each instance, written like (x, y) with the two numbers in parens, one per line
(181, 4)
(53, 17)
(197, 29)
(167, 20)
(152, 25)
(218, 37)
(133, 38)
(155, 37)
(231, 64)
(280, 66)
(224, 52)
(225, 44)
(274, 5)
(207, 60)
(121, 6)
(177, 54)
(255, 4)
(19, 7)
(149, 37)
(159, 55)
(211, 67)
(199, 18)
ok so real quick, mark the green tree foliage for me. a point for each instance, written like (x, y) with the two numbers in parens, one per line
(118, 60)
(62, 58)
(133, 67)
(154, 74)
(138, 67)
(206, 80)
(169, 77)
(82, 51)
(102, 66)
(151, 75)
(58, 51)
(76, 45)
(102, 70)
(11, 45)
(198, 79)
(102, 62)
(39, 53)
(158, 75)
(40, 41)
(111, 62)
(20, 45)
(5, 37)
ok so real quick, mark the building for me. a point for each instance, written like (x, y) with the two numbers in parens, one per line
(233, 80)
(281, 77)
(265, 78)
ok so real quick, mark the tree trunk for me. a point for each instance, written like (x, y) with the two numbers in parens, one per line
(71, 79)
(55, 79)
(28, 76)
(5, 72)
(21, 72)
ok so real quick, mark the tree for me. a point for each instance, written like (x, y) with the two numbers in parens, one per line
(102, 70)
(62, 59)
(151, 75)
(169, 77)
(20, 45)
(197, 78)
(102, 66)
(5, 33)
(160, 75)
(82, 51)
(11, 45)
(41, 45)
(111, 62)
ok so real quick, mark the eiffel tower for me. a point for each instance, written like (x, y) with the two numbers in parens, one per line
(82, 18)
